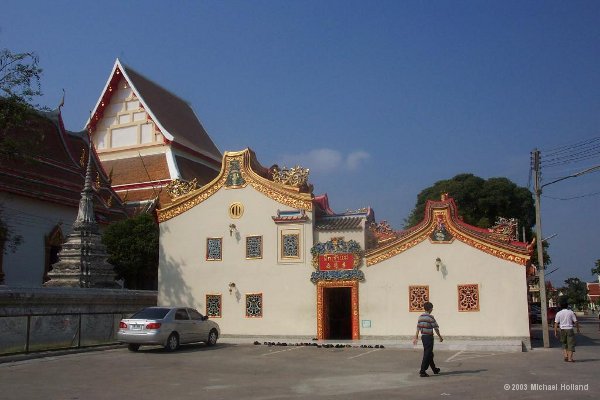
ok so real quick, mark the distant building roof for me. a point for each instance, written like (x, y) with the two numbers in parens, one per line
(57, 173)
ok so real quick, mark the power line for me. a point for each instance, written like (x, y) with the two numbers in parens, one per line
(572, 198)
(569, 147)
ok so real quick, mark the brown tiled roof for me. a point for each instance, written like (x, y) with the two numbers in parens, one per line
(174, 114)
(190, 169)
(56, 175)
(137, 169)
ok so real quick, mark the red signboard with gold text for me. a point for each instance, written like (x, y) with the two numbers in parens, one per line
(333, 262)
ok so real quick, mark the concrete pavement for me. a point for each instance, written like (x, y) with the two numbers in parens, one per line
(246, 371)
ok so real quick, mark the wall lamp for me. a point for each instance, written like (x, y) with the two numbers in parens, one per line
(438, 263)
(231, 287)
(232, 228)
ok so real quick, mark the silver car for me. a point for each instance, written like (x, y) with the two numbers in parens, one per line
(168, 327)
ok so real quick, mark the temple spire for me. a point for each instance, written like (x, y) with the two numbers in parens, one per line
(83, 258)
(86, 219)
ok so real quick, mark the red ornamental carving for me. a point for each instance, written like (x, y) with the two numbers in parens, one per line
(334, 262)
(418, 295)
(468, 297)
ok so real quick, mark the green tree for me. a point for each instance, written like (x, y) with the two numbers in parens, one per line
(19, 86)
(481, 202)
(576, 292)
(596, 269)
(19, 140)
(133, 248)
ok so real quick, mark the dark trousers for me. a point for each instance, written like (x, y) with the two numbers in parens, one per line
(427, 353)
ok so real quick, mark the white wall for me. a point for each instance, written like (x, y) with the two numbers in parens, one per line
(185, 276)
(384, 298)
(32, 219)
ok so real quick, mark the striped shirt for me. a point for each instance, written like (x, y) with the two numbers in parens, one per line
(426, 324)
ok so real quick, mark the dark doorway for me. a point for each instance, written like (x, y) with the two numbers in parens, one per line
(338, 303)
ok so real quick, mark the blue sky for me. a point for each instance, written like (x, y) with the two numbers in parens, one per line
(380, 99)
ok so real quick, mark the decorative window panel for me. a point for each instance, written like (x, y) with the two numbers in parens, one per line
(290, 245)
(417, 296)
(214, 249)
(254, 305)
(126, 136)
(147, 133)
(468, 298)
(253, 247)
(213, 305)
(132, 105)
(123, 119)
(139, 116)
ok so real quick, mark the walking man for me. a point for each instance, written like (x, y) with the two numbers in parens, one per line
(426, 325)
(566, 320)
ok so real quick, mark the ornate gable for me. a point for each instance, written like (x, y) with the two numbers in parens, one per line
(442, 225)
(238, 170)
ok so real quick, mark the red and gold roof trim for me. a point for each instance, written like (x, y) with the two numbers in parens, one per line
(237, 171)
(444, 213)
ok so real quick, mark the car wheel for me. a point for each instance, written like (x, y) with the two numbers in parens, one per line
(212, 337)
(172, 342)
(133, 347)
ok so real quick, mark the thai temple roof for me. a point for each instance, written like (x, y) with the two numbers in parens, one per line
(173, 116)
(57, 173)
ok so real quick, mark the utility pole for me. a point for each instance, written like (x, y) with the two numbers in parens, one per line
(536, 160)
(540, 247)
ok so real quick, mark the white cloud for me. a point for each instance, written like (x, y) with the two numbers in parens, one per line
(326, 161)
(355, 159)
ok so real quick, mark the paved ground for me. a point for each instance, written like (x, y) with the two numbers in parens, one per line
(245, 371)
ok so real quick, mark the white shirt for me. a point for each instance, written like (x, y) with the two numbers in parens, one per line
(565, 318)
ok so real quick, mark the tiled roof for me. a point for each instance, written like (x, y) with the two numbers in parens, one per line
(190, 169)
(137, 169)
(56, 175)
(593, 289)
(174, 114)
(338, 223)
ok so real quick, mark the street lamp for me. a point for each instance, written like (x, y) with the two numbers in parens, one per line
(538, 227)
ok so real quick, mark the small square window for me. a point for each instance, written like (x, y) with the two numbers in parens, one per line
(253, 247)
(214, 249)
(417, 296)
(290, 245)
(213, 305)
(254, 305)
(468, 298)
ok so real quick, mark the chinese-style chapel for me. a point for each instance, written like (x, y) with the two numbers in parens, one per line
(255, 249)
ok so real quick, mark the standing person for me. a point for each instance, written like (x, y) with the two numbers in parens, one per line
(565, 320)
(426, 325)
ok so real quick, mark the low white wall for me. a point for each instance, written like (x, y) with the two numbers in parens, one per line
(384, 296)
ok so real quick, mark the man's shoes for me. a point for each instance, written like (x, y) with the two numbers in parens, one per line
(423, 374)
(436, 371)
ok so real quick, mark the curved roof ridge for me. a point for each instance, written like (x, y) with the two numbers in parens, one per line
(237, 171)
(444, 213)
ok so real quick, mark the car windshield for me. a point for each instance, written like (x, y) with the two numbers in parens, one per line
(151, 313)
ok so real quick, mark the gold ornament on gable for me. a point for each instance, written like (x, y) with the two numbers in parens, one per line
(295, 176)
(177, 188)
